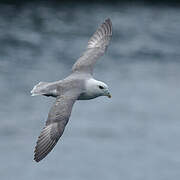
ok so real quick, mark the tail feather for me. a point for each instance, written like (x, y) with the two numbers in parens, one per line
(37, 89)
(44, 88)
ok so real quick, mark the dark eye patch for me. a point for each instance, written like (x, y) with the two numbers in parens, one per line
(101, 87)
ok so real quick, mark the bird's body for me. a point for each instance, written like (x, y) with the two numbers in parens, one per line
(57, 88)
(79, 85)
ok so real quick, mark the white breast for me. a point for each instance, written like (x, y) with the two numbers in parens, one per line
(85, 96)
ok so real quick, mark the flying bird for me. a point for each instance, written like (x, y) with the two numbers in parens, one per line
(79, 85)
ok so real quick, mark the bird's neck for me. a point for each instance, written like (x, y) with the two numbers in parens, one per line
(90, 90)
(91, 87)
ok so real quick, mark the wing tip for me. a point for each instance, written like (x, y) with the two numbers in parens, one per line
(104, 31)
(108, 20)
(40, 153)
(45, 143)
(36, 156)
(108, 23)
(36, 159)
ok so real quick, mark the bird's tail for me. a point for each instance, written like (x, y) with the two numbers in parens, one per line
(44, 88)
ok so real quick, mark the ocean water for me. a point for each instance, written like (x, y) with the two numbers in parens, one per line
(134, 135)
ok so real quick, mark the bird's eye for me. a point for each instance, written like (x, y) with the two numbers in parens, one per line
(101, 87)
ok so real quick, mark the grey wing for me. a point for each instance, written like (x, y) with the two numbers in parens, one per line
(97, 46)
(57, 119)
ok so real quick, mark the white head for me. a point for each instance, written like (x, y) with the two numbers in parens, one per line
(96, 88)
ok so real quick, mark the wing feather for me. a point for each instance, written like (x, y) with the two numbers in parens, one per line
(57, 119)
(97, 46)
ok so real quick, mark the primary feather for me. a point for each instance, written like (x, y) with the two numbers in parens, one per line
(97, 46)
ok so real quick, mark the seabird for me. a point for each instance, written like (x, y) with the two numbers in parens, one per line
(79, 85)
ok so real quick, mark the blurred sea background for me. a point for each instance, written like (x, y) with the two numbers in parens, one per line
(135, 135)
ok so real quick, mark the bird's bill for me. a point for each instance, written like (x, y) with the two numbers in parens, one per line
(109, 95)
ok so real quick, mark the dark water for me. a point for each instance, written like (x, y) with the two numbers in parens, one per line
(135, 135)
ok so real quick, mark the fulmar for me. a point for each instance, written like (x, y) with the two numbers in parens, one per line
(79, 85)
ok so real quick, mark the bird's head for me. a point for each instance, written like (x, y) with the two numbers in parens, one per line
(103, 89)
(98, 88)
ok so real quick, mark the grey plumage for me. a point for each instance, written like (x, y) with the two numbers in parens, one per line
(57, 119)
(68, 90)
(96, 47)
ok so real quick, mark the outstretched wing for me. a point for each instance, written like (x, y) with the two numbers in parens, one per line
(97, 46)
(57, 119)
